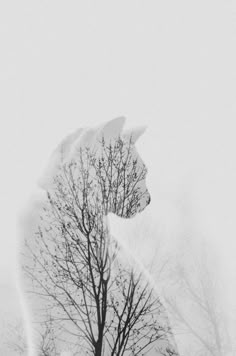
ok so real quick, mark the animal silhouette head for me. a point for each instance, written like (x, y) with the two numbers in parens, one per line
(120, 170)
(113, 174)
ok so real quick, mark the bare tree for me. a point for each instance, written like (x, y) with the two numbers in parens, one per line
(200, 315)
(14, 339)
(47, 339)
(78, 269)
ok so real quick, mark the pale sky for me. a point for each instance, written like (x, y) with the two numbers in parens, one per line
(169, 65)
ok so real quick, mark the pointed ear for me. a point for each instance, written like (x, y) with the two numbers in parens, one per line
(111, 129)
(135, 133)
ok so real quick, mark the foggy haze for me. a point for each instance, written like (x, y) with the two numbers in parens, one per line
(167, 65)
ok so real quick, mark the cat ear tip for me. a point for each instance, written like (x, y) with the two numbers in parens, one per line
(142, 129)
(120, 119)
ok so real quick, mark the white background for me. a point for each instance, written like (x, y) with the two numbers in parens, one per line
(166, 64)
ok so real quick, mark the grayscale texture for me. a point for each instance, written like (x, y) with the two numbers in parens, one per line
(169, 65)
(85, 293)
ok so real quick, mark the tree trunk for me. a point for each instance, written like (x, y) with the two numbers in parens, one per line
(98, 348)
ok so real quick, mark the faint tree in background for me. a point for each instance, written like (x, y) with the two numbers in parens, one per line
(47, 339)
(13, 338)
(78, 269)
(200, 314)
